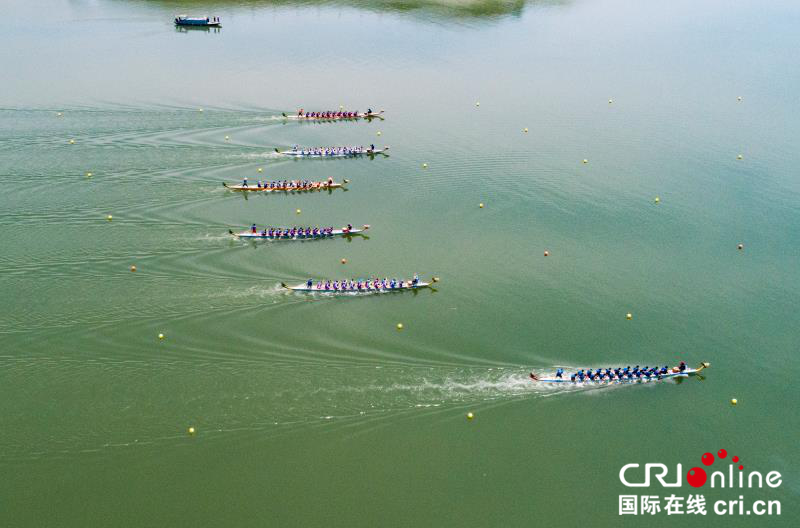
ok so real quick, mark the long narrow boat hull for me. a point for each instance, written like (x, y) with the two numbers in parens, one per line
(258, 236)
(255, 188)
(615, 381)
(300, 154)
(197, 22)
(314, 289)
(361, 115)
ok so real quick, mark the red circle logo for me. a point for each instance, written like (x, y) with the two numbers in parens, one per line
(696, 477)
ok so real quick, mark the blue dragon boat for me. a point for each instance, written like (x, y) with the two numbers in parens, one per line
(184, 20)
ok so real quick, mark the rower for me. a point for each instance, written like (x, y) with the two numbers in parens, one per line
(559, 372)
(244, 182)
(682, 366)
(310, 282)
(372, 147)
(369, 111)
(253, 229)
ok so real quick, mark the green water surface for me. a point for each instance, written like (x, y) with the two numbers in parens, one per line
(314, 411)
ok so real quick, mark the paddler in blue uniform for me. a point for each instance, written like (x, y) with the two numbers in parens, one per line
(682, 366)
(244, 182)
(559, 372)
(253, 229)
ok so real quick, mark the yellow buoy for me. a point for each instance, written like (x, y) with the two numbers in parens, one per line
(298, 211)
(657, 199)
(610, 101)
(88, 174)
(740, 246)
(59, 114)
(191, 430)
(161, 336)
(480, 205)
(470, 416)
(71, 141)
(739, 98)
(546, 253)
(585, 160)
(341, 107)
(379, 132)
(200, 109)
(260, 169)
(525, 130)
(133, 268)
(109, 218)
(399, 326)
(227, 138)
(477, 103)
(739, 157)
(628, 316)
(734, 401)
(424, 165)
(344, 261)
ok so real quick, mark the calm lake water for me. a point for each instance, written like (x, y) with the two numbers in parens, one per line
(315, 411)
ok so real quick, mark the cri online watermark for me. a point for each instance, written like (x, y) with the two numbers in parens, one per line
(695, 504)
